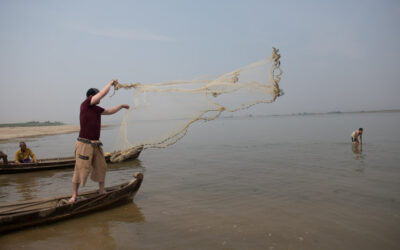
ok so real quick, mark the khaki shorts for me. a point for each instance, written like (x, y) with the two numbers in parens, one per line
(89, 158)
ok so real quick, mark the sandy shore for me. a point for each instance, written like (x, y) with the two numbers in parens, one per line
(8, 133)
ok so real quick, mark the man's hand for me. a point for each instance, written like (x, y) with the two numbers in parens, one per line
(125, 106)
(113, 82)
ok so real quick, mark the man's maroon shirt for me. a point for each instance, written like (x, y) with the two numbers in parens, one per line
(90, 119)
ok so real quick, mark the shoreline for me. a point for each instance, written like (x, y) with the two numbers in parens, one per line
(10, 133)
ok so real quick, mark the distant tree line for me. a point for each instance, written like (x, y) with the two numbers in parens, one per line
(31, 124)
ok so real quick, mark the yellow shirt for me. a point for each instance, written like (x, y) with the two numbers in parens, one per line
(20, 156)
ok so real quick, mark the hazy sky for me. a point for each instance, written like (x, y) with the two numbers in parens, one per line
(336, 55)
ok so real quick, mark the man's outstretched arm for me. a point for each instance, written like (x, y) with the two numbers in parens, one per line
(115, 109)
(31, 154)
(97, 97)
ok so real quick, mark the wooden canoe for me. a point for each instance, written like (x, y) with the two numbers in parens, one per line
(36, 212)
(47, 164)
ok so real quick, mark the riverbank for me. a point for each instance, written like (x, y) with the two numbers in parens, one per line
(31, 124)
(9, 133)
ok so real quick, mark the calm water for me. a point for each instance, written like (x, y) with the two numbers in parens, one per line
(261, 183)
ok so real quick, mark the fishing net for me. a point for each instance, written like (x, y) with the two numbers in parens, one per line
(162, 113)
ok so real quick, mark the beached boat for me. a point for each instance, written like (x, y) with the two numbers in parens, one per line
(36, 212)
(47, 164)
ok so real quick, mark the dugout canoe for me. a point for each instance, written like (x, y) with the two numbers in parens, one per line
(51, 163)
(36, 212)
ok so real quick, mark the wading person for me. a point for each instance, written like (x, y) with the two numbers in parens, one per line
(24, 154)
(89, 155)
(355, 135)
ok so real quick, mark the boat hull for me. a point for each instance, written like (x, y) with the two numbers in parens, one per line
(47, 164)
(31, 213)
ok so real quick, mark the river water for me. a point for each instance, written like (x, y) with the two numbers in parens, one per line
(284, 182)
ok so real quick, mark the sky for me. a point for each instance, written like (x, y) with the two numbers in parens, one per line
(336, 55)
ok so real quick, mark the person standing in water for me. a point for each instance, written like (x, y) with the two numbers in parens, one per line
(89, 154)
(355, 135)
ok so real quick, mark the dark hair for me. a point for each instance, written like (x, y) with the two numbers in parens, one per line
(92, 91)
(361, 129)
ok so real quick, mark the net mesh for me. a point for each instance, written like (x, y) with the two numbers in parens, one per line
(162, 113)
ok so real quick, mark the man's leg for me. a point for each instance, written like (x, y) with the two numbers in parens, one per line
(101, 188)
(83, 154)
(75, 187)
(99, 168)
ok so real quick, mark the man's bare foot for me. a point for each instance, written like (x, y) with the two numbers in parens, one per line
(102, 191)
(72, 200)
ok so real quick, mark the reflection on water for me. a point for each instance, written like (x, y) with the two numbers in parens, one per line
(358, 152)
(359, 156)
(135, 164)
(24, 186)
(26, 189)
(97, 230)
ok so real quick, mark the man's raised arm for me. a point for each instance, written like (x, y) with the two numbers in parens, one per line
(97, 97)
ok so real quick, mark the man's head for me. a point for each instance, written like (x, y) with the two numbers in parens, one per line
(360, 130)
(22, 145)
(91, 92)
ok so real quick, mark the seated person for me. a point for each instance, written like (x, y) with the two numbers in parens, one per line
(22, 155)
(4, 157)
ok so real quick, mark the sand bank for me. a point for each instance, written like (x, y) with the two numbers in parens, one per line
(8, 133)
